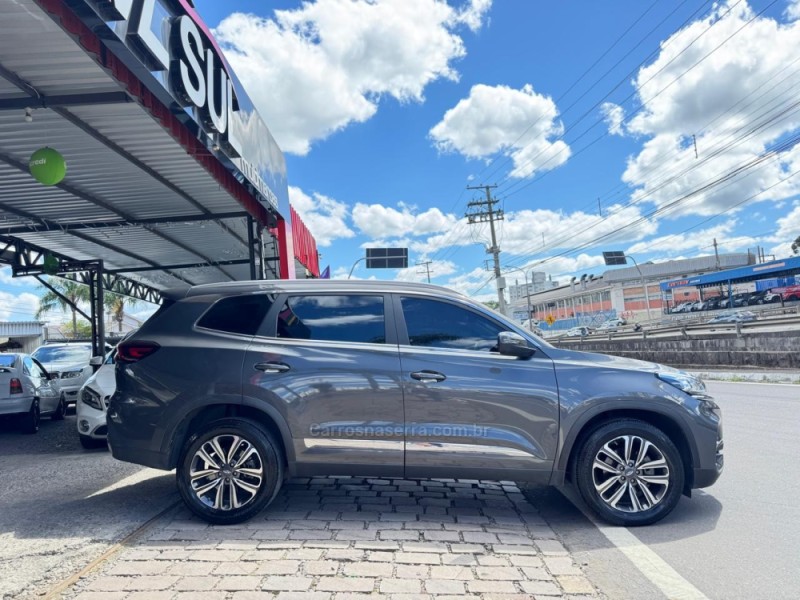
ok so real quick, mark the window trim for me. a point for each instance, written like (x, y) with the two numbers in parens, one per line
(269, 328)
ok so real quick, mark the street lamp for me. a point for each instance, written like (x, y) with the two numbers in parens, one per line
(618, 257)
(527, 292)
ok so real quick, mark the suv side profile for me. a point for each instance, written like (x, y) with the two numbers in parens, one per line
(237, 385)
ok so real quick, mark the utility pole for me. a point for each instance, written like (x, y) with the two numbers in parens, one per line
(427, 265)
(483, 211)
(716, 252)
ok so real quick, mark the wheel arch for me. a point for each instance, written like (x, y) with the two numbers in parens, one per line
(676, 431)
(266, 416)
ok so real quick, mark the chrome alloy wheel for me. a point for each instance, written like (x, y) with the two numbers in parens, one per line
(226, 472)
(630, 474)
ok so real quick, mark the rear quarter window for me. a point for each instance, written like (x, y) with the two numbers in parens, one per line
(237, 314)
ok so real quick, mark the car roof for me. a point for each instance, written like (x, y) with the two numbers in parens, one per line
(277, 286)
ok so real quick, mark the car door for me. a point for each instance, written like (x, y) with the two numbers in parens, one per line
(470, 411)
(40, 383)
(329, 365)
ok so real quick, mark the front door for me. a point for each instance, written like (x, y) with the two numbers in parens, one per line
(471, 412)
(330, 366)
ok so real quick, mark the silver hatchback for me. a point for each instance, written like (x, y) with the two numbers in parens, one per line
(237, 385)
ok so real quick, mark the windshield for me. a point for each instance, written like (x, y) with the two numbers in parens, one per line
(70, 354)
(7, 360)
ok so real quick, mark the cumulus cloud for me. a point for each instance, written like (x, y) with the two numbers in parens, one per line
(313, 70)
(725, 87)
(793, 10)
(325, 217)
(696, 240)
(7, 279)
(789, 226)
(18, 307)
(378, 221)
(520, 124)
(614, 116)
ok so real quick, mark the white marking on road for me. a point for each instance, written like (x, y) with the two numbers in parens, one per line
(138, 477)
(650, 564)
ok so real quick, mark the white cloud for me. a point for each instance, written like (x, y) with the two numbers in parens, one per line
(7, 279)
(695, 240)
(517, 123)
(614, 116)
(18, 307)
(378, 221)
(713, 81)
(792, 12)
(789, 226)
(325, 218)
(314, 70)
(419, 273)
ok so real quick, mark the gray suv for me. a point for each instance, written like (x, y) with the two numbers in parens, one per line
(238, 385)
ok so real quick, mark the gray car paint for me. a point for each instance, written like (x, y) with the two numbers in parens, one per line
(533, 409)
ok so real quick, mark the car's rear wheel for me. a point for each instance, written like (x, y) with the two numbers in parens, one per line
(230, 471)
(629, 473)
(29, 422)
(61, 409)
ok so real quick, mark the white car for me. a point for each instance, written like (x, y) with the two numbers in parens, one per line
(27, 391)
(578, 332)
(69, 362)
(93, 402)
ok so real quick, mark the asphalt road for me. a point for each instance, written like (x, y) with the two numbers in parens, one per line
(737, 539)
(57, 512)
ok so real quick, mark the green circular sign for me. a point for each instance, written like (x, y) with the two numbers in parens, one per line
(47, 166)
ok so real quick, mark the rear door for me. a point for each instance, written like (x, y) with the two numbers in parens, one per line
(328, 364)
(471, 412)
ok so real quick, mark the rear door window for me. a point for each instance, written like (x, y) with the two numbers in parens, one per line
(237, 314)
(339, 318)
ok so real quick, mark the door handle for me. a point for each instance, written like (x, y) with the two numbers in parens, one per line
(428, 376)
(272, 367)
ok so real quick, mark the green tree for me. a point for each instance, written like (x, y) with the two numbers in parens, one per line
(796, 245)
(70, 290)
(84, 329)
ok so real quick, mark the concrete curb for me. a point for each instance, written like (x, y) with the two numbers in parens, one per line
(748, 376)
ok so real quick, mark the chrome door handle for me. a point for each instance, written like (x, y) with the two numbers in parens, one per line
(272, 367)
(428, 376)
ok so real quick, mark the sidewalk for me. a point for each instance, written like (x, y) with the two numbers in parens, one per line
(348, 538)
(757, 376)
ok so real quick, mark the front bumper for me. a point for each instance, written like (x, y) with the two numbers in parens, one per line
(71, 391)
(91, 422)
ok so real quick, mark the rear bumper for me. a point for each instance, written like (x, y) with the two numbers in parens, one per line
(15, 406)
(137, 455)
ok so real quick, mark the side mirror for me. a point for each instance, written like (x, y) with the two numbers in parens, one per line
(513, 344)
(96, 361)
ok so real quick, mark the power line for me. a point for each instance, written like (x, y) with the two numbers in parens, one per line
(485, 212)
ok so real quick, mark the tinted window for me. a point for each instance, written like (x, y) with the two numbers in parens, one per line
(335, 318)
(237, 314)
(442, 325)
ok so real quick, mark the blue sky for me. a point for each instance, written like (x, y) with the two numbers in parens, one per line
(584, 113)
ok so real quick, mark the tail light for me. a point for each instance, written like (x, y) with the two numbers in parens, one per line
(134, 351)
(16, 386)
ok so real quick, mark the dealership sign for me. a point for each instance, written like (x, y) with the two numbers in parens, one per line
(168, 38)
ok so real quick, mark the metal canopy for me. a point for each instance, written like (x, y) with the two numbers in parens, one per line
(133, 197)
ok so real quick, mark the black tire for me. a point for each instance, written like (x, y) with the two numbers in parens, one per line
(29, 422)
(90, 443)
(586, 475)
(61, 410)
(267, 457)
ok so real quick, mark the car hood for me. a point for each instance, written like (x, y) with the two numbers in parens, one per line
(103, 381)
(594, 359)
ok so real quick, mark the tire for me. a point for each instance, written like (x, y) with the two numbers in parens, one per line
(224, 484)
(651, 500)
(90, 443)
(29, 422)
(61, 410)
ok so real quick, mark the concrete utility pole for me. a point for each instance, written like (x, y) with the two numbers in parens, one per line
(427, 265)
(484, 211)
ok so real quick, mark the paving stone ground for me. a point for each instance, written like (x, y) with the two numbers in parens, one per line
(343, 538)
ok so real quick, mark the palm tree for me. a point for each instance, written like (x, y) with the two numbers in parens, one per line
(116, 304)
(70, 290)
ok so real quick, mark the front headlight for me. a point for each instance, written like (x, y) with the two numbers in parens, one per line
(88, 396)
(690, 384)
(70, 374)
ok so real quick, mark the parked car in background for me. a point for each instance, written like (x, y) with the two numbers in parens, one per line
(716, 302)
(93, 404)
(69, 363)
(734, 316)
(27, 392)
(236, 385)
(578, 332)
(697, 306)
(611, 325)
(741, 299)
(772, 296)
(682, 307)
(791, 293)
(757, 297)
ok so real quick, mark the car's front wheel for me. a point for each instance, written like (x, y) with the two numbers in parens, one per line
(61, 409)
(629, 473)
(230, 471)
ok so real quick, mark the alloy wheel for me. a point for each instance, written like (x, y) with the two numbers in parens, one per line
(226, 472)
(630, 474)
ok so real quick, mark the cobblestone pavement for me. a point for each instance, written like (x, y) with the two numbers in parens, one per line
(341, 538)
